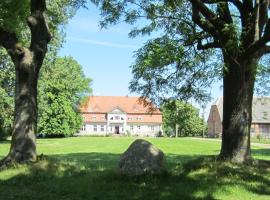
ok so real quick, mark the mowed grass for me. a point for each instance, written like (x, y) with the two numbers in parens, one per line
(86, 168)
(261, 140)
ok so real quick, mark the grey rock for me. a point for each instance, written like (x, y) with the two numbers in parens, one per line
(140, 158)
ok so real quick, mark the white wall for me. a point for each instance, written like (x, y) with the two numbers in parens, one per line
(138, 129)
(144, 130)
(89, 129)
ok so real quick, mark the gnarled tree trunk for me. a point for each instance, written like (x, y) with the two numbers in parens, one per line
(238, 82)
(23, 145)
(28, 62)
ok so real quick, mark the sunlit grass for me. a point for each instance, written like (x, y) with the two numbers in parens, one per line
(261, 140)
(86, 168)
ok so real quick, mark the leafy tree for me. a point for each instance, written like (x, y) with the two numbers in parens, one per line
(183, 115)
(25, 32)
(62, 87)
(7, 81)
(195, 32)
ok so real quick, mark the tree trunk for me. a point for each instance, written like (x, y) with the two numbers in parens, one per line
(238, 83)
(23, 144)
(28, 62)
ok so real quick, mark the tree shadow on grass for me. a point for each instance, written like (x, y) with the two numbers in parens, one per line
(5, 142)
(94, 176)
(261, 152)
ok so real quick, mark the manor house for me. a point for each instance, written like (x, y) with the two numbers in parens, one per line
(121, 115)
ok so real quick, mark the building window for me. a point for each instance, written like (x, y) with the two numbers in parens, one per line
(117, 117)
(151, 128)
(129, 118)
(102, 128)
(122, 118)
(94, 117)
(111, 118)
(95, 128)
(139, 128)
(83, 128)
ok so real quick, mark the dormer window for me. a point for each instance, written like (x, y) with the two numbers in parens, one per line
(122, 118)
(111, 118)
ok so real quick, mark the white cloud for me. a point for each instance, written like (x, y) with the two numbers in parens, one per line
(102, 43)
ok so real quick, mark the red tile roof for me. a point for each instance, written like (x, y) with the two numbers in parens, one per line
(96, 107)
(104, 104)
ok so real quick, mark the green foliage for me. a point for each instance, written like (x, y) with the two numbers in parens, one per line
(13, 15)
(13, 19)
(185, 116)
(164, 68)
(168, 65)
(7, 81)
(62, 87)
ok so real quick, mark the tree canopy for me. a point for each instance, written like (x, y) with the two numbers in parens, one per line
(7, 81)
(26, 28)
(62, 87)
(58, 13)
(183, 115)
(196, 41)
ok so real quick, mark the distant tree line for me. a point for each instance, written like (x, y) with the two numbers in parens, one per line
(61, 89)
(182, 117)
(62, 84)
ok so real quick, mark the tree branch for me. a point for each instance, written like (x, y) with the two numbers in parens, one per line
(224, 12)
(257, 45)
(207, 13)
(264, 50)
(8, 40)
(204, 25)
(40, 33)
(236, 3)
(206, 46)
(263, 16)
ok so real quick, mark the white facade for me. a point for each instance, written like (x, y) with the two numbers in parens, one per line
(117, 123)
(151, 130)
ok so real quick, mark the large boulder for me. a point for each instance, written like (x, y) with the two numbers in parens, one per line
(140, 158)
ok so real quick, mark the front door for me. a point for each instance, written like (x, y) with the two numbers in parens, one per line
(116, 129)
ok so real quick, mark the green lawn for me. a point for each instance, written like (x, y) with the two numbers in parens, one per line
(261, 140)
(86, 168)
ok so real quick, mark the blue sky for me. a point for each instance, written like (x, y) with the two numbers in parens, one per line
(106, 55)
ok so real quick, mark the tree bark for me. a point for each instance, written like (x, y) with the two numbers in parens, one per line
(23, 143)
(28, 62)
(238, 83)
